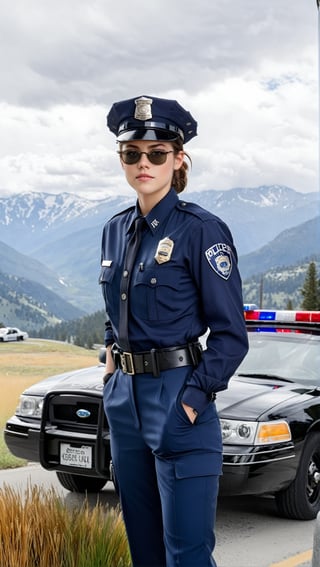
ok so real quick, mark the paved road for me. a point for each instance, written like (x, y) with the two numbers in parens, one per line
(249, 533)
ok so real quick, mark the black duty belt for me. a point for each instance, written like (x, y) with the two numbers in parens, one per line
(157, 360)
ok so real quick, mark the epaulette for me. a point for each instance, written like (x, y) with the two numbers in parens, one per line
(194, 209)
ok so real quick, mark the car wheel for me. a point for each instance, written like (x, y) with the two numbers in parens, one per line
(301, 500)
(78, 483)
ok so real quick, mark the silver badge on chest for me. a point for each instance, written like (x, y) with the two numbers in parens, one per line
(143, 108)
(164, 250)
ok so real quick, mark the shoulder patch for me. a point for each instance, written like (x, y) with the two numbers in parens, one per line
(219, 256)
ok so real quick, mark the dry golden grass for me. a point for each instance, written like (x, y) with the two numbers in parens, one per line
(37, 529)
(24, 364)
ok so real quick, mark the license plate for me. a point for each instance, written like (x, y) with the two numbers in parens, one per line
(80, 456)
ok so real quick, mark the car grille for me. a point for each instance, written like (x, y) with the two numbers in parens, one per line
(78, 413)
(62, 413)
(77, 420)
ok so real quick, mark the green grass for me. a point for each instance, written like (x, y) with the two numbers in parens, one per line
(7, 460)
(23, 364)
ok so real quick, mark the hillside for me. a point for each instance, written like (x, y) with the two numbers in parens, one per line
(29, 305)
(62, 236)
(290, 247)
(16, 264)
(279, 285)
(270, 291)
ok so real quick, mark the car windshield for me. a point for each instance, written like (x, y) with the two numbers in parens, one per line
(289, 356)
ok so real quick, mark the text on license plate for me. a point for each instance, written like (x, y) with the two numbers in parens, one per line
(80, 456)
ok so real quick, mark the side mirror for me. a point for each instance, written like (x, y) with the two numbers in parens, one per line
(102, 355)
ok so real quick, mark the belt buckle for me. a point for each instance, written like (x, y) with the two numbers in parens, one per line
(127, 364)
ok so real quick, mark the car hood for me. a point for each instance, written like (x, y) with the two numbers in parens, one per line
(250, 398)
(85, 379)
(245, 398)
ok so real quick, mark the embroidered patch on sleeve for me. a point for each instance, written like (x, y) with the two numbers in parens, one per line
(219, 257)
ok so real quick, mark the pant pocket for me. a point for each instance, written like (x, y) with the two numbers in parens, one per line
(199, 464)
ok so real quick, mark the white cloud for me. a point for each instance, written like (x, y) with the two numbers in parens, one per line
(248, 72)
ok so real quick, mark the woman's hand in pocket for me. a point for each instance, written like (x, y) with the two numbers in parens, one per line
(191, 412)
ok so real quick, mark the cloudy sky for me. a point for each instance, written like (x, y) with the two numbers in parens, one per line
(246, 69)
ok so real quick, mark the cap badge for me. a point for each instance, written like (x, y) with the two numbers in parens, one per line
(164, 250)
(143, 108)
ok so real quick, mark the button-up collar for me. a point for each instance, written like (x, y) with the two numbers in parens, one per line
(159, 213)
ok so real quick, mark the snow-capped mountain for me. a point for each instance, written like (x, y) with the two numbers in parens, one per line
(35, 218)
(271, 225)
(255, 215)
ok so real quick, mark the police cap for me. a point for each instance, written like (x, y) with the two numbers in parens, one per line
(151, 118)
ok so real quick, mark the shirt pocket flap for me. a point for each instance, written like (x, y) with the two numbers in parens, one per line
(159, 277)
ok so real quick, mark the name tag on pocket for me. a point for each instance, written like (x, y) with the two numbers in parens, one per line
(106, 263)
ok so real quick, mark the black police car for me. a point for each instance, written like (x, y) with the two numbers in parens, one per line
(270, 418)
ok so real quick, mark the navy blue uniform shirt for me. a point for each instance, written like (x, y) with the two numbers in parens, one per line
(195, 287)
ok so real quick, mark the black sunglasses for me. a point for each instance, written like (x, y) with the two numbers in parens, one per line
(156, 157)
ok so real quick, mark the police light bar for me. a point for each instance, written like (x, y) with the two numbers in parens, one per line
(281, 316)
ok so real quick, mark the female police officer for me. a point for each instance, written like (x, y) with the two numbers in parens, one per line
(169, 273)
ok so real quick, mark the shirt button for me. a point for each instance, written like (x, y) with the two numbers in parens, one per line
(123, 296)
(153, 280)
(125, 273)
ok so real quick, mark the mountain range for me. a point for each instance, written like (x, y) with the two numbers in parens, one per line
(53, 241)
(255, 215)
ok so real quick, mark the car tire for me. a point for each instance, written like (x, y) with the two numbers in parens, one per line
(301, 500)
(78, 483)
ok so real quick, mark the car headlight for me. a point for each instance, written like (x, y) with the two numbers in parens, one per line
(253, 432)
(30, 406)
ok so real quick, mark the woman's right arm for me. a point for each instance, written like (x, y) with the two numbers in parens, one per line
(110, 367)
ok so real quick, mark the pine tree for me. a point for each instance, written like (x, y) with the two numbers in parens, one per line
(289, 305)
(311, 289)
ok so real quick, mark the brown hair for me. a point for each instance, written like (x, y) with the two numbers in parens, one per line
(180, 176)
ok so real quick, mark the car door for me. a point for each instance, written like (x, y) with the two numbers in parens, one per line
(12, 335)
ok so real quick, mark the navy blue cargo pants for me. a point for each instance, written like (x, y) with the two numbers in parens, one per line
(167, 469)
